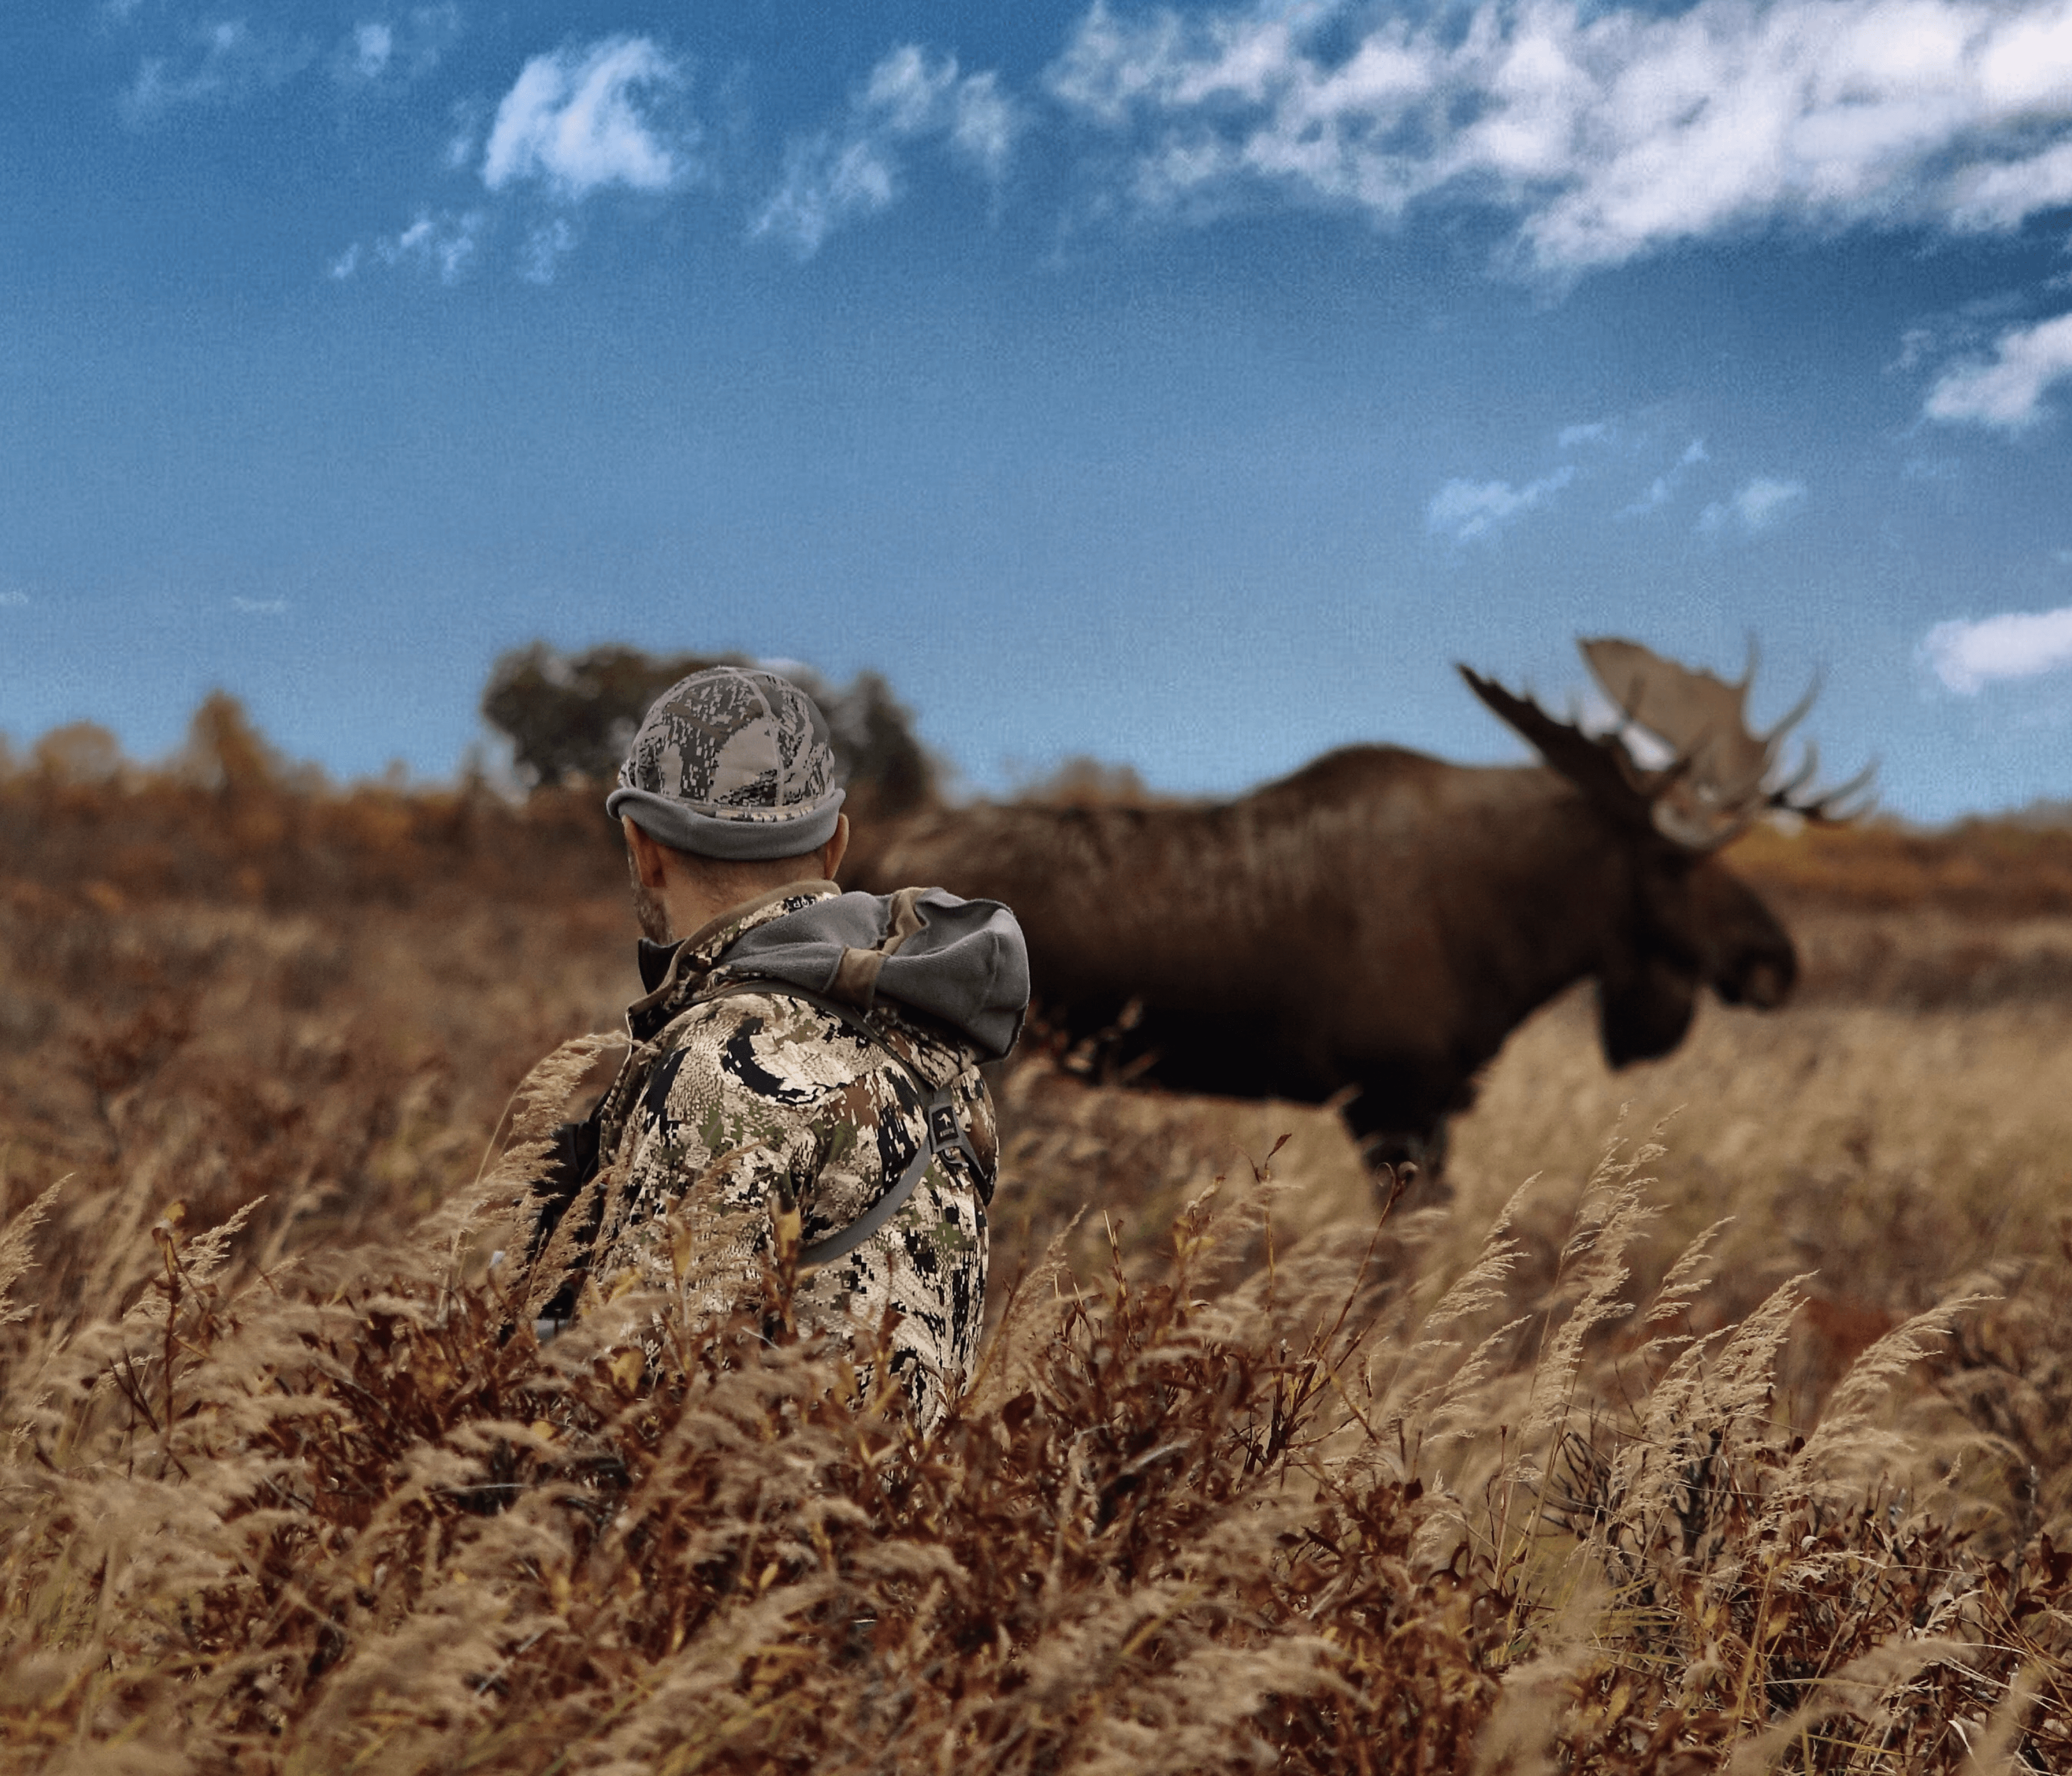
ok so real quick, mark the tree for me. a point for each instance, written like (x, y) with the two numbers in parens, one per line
(569, 718)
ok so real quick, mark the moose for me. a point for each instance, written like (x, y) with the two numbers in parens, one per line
(1368, 931)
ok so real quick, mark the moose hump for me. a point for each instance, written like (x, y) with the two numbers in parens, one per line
(1372, 928)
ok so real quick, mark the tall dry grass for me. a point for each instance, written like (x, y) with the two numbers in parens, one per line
(1198, 1517)
(1560, 1475)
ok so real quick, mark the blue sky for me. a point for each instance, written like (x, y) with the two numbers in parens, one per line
(1188, 387)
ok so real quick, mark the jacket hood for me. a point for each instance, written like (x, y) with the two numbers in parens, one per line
(963, 962)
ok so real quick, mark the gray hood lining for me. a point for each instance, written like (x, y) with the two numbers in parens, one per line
(962, 962)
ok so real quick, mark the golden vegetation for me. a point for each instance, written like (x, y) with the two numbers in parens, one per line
(1246, 1483)
(2015, 868)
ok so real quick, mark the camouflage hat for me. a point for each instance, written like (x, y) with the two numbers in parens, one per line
(732, 762)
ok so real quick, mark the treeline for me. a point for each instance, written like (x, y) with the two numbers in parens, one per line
(228, 817)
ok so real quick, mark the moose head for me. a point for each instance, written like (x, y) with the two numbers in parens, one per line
(1686, 920)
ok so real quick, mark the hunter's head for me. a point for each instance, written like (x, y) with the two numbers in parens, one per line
(728, 792)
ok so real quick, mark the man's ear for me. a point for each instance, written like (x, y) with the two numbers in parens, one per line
(837, 848)
(651, 863)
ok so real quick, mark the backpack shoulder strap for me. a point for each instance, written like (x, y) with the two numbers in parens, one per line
(944, 1128)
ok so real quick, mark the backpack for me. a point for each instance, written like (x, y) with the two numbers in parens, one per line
(574, 1160)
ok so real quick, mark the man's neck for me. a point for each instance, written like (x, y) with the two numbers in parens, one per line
(698, 915)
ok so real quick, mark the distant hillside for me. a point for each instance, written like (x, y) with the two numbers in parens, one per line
(2013, 866)
(228, 818)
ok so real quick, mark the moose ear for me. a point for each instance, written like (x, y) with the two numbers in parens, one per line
(1601, 768)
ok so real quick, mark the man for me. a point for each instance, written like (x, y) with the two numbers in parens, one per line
(804, 1094)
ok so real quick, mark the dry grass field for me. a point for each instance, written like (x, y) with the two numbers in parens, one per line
(1719, 1418)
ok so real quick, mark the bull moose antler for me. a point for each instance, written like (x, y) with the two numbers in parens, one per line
(1723, 776)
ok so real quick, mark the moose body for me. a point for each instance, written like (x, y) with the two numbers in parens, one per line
(1372, 927)
(1368, 931)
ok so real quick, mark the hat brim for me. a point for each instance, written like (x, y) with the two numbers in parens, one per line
(736, 841)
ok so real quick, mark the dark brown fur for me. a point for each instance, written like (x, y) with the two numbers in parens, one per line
(1374, 926)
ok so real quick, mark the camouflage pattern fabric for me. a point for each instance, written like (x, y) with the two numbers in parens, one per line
(745, 745)
(728, 1113)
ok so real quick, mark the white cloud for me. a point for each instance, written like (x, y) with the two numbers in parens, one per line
(1598, 431)
(1663, 489)
(11, 599)
(1762, 504)
(983, 124)
(261, 607)
(2007, 393)
(1610, 133)
(372, 44)
(545, 247)
(2005, 194)
(223, 60)
(394, 49)
(826, 184)
(844, 175)
(905, 89)
(460, 147)
(444, 243)
(580, 119)
(1967, 657)
(1465, 510)
(1915, 344)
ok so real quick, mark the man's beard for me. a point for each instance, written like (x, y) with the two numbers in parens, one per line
(654, 917)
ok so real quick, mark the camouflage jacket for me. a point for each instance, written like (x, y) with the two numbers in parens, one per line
(732, 1112)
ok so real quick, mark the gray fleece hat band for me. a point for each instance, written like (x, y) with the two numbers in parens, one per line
(734, 763)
